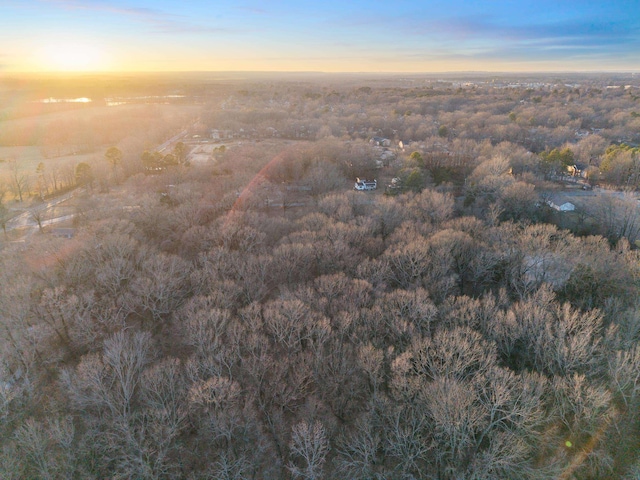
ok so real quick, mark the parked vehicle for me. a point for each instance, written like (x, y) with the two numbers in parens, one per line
(365, 184)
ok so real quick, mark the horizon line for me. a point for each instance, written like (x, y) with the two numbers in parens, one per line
(313, 72)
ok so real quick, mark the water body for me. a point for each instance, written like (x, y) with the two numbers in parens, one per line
(65, 100)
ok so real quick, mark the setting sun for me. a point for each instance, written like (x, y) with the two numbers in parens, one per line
(69, 57)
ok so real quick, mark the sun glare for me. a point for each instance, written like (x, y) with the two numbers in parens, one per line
(70, 57)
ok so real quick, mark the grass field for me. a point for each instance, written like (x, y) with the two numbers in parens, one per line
(34, 117)
(28, 159)
(63, 139)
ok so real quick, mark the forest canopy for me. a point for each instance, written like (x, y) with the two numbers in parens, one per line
(251, 315)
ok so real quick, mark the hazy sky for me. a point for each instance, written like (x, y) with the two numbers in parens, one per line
(324, 35)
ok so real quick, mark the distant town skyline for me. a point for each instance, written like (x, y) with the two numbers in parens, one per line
(328, 36)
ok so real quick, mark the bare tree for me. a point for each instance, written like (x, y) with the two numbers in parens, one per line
(19, 181)
(518, 201)
(38, 215)
(4, 218)
(457, 418)
(408, 442)
(461, 353)
(126, 356)
(431, 206)
(20, 338)
(409, 262)
(164, 390)
(371, 360)
(68, 316)
(309, 446)
(204, 327)
(11, 463)
(616, 217)
(581, 407)
(47, 448)
(295, 262)
(115, 258)
(287, 321)
(161, 285)
(388, 215)
(624, 371)
(358, 451)
(54, 177)
(230, 467)
(111, 380)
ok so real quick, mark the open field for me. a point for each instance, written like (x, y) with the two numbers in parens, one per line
(202, 153)
(28, 159)
(58, 171)
(205, 152)
(88, 113)
(84, 129)
(63, 139)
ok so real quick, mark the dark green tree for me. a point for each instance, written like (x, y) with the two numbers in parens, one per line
(170, 159)
(113, 155)
(414, 180)
(554, 161)
(42, 183)
(416, 158)
(84, 174)
(180, 152)
(155, 161)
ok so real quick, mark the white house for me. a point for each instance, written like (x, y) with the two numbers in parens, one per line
(565, 207)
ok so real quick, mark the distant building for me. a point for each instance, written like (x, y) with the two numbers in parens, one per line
(564, 207)
(220, 134)
(406, 144)
(581, 133)
(577, 169)
(380, 141)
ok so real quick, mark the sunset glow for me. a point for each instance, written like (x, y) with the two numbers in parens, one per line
(67, 57)
(331, 36)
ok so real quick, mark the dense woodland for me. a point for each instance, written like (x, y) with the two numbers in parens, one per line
(253, 317)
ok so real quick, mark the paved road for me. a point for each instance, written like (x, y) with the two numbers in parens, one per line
(175, 138)
(27, 219)
(596, 192)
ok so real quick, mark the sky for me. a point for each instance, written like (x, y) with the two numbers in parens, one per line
(324, 35)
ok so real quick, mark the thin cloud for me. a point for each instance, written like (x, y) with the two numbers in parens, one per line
(253, 10)
(160, 21)
(483, 37)
(478, 28)
(182, 27)
(538, 53)
(523, 52)
(139, 12)
(488, 27)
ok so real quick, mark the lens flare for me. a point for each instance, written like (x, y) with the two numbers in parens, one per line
(70, 57)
